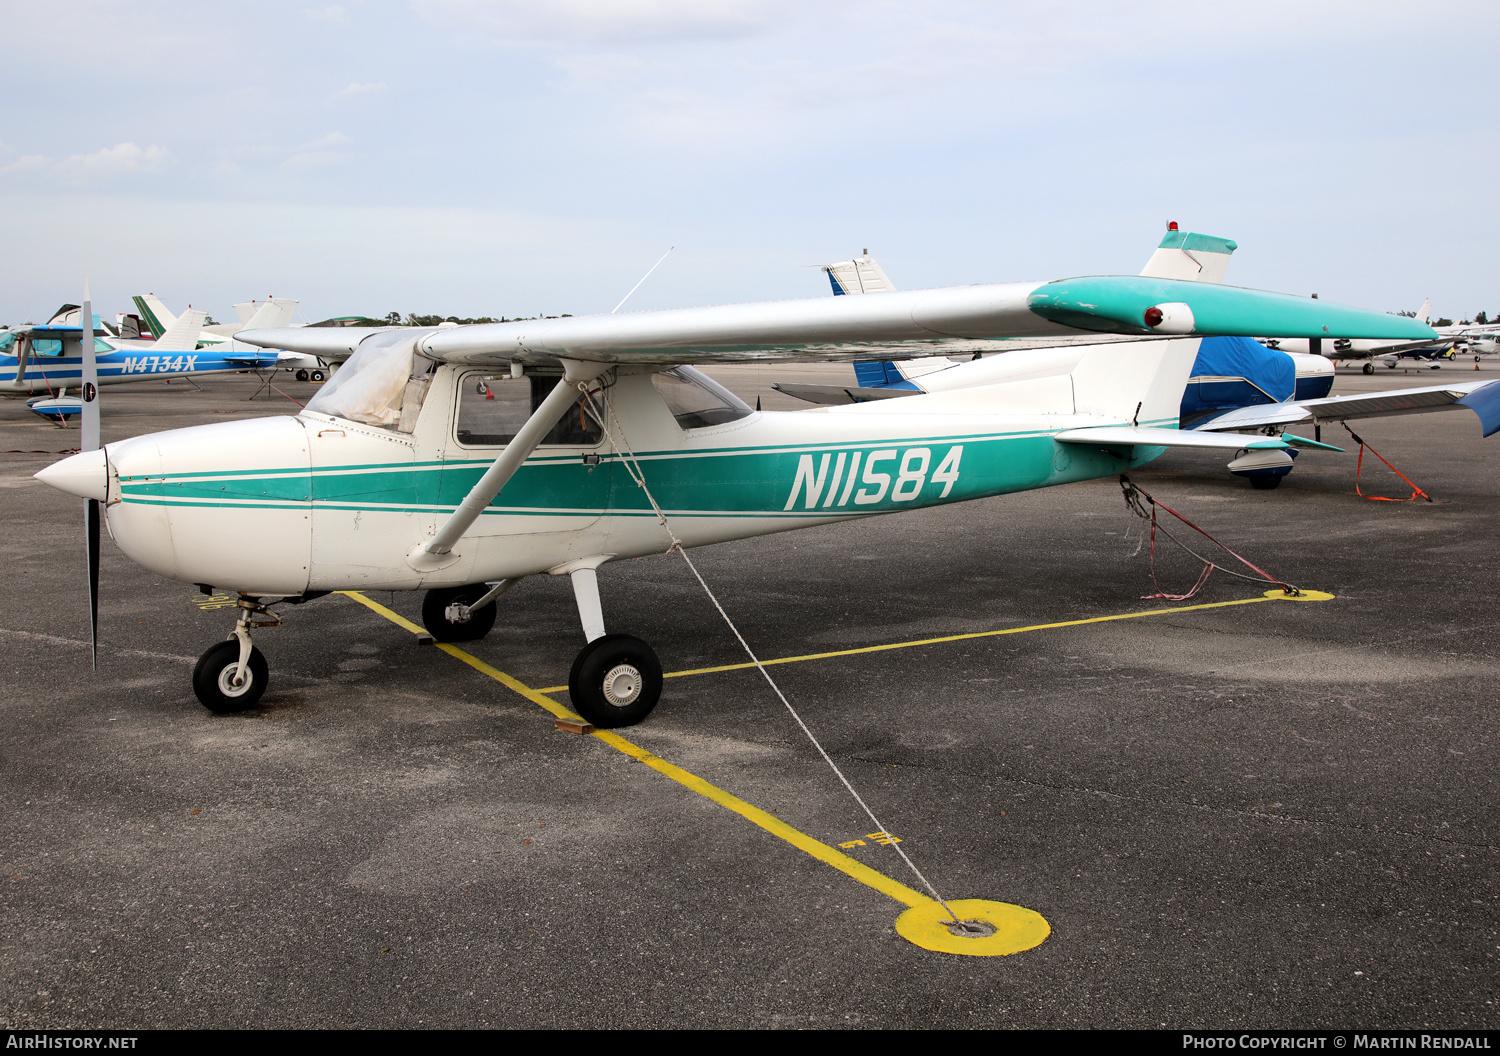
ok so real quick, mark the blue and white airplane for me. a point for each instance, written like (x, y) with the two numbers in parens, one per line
(1237, 384)
(41, 363)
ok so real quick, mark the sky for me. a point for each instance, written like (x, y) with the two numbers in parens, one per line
(517, 157)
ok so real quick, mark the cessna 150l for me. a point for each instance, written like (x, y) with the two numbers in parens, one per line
(459, 460)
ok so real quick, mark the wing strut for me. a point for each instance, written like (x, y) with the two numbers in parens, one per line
(436, 552)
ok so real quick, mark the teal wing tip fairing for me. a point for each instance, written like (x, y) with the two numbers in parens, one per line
(1121, 304)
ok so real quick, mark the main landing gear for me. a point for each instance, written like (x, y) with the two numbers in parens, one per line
(616, 679)
(462, 614)
(232, 675)
(303, 375)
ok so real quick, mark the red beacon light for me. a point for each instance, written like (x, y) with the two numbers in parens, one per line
(1171, 225)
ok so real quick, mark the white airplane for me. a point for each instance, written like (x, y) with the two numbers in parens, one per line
(1236, 384)
(1340, 349)
(459, 460)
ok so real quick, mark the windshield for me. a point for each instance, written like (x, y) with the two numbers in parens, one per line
(696, 400)
(369, 387)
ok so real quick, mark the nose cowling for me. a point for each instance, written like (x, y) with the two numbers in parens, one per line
(226, 505)
(85, 474)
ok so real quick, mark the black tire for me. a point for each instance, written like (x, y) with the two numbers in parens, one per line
(1265, 483)
(301, 375)
(615, 681)
(317, 375)
(435, 616)
(211, 678)
(1389, 366)
(1369, 368)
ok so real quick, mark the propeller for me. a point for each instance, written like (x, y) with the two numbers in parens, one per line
(89, 441)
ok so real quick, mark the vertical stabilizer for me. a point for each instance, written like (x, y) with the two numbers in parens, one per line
(1140, 381)
(860, 275)
(154, 314)
(1425, 310)
(1190, 256)
(272, 312)
(182, 335)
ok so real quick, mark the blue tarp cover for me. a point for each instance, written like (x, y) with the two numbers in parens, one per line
(1255, 374)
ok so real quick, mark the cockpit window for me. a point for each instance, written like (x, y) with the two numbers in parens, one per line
(492, 410)
(696, 400)
(46, 346)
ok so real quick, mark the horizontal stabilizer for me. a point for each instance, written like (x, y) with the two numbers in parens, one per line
(1483, 398)
(1115, 435)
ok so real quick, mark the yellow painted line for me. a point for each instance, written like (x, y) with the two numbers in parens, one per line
(772, 824)
(951, 638)
(535, 696)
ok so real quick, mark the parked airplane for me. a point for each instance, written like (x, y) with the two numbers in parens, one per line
(48, 360)
(1340, 349)
(601, 442)
(1230, 374)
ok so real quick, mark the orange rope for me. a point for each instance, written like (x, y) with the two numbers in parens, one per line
(1359, 467)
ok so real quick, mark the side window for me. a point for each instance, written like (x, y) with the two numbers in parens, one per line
(492, 410)
(697, 401)
(46, 346)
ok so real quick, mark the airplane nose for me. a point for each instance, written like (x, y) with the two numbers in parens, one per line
(85, 474)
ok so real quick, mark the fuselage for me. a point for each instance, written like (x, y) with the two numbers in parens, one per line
(346, 501)
(49, 369)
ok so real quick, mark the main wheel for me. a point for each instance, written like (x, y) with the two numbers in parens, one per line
(317, 375)
(1265, 483)
(213, 680)
(615, 681)
(1369, 368)
(301, 375)
(445, 629)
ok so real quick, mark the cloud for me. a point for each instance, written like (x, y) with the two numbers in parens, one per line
(361, 89)
(120, 160)
(28, 163)
(611, 20)
(102, 166)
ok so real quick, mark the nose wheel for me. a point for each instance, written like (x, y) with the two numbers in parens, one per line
(232, 675)
(219, 684)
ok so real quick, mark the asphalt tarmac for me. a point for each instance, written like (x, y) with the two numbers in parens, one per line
(1276, 814)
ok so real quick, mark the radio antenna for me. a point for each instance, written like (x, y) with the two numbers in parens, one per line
(644, 277)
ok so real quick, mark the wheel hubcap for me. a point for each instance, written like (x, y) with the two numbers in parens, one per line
(622, 685)
(227, 684)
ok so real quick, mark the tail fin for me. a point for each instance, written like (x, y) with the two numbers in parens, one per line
(860, 275)
(1425, 310)
(274, 312)
(1189, 255)
(155, 314)
(182, 335)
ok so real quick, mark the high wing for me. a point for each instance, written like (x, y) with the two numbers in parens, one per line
(884, 325)
(1481, 397)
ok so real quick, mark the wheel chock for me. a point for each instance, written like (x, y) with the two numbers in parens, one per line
(574, 726)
